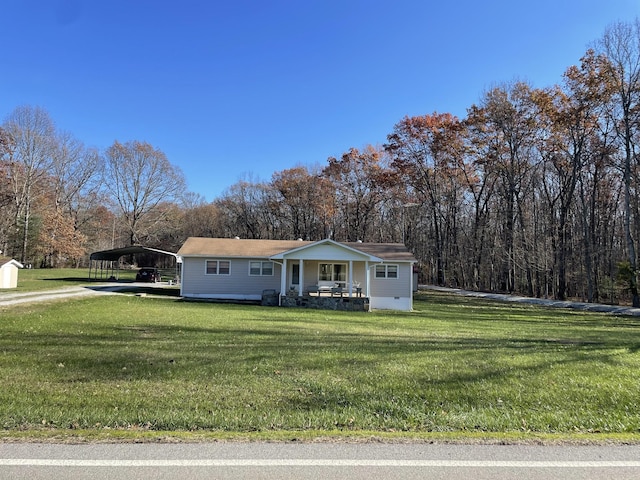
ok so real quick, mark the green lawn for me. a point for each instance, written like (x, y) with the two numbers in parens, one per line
(37, 279)
(455, 366)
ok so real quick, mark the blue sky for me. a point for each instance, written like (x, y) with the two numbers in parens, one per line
(241, 89)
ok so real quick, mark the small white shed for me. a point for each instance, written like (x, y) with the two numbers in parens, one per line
(9, 272)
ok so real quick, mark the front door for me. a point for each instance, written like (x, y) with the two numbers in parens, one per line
(294, 276)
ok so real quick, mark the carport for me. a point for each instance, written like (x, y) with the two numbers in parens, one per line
(106, 264)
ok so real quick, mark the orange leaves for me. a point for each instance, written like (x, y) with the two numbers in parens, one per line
(422, 145)
(58, 238)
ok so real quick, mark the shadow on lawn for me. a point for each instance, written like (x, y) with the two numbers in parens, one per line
(66, 279)
(140, 350)
(152, 289)
(323, 375)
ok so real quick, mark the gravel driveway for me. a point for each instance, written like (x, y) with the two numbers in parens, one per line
(589, 307)
(10, 298)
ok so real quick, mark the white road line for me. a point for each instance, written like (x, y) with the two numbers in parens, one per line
(42, 462)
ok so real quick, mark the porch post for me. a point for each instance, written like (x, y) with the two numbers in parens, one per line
(367, 277)
(301, 279)
(350, 278)
(283, 281)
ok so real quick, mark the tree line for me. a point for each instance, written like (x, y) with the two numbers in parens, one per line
(534, 192)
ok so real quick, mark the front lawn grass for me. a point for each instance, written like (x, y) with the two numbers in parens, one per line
(454, 366)
(38, 279)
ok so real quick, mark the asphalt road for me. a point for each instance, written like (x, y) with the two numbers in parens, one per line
(368, 461)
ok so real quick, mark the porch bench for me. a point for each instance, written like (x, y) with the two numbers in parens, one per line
(325, 286)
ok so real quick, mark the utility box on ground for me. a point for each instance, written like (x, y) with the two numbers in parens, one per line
(9, 272)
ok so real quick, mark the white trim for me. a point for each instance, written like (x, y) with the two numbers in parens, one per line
(13, 262)
(217, 260)
(301, 284)
(261, 262)
(386, 271)
(367, 274)
(291, 253)
(338, 262)
(283, 281)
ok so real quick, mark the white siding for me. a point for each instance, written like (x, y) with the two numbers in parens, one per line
(390, 303)
(392, 293)
(238, 285)
(8, 276)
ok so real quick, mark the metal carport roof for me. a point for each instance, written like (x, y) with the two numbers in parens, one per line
(115, 253)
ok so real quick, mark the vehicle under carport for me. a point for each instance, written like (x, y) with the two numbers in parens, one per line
(105, 265)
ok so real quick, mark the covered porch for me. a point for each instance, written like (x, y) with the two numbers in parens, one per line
(325, 275)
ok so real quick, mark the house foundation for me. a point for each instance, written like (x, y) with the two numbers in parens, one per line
(348, 304)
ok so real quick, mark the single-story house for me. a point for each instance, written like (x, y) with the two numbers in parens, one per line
(243, 269)
(9, 272)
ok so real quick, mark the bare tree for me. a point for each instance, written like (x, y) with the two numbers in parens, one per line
(244, 207)
(508, 117)
(7, 147)
(570, 145)
(621, 45)
(75, 170)
(33, 134)
(140, 177)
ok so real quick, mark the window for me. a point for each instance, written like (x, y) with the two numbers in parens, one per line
(264, 269)
(332, 272)
(218, 267)
(386, 271)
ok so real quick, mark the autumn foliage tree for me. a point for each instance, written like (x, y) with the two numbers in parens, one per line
(426, 152)
(360, 180)
(59, 243)
(304, 202)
